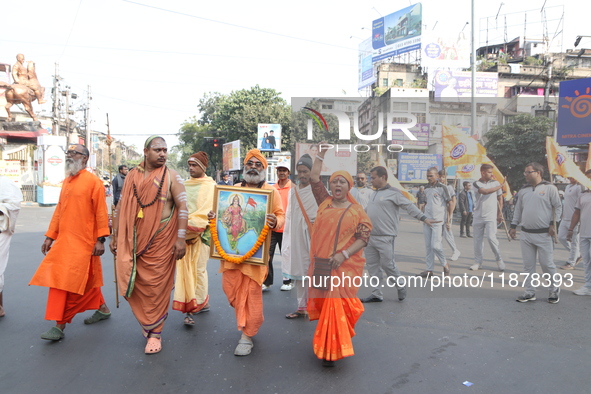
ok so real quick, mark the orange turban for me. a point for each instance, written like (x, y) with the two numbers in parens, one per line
(257, 155)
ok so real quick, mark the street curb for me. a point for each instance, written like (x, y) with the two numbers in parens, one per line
(29, 204)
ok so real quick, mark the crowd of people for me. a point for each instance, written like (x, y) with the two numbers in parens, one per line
(162, 234)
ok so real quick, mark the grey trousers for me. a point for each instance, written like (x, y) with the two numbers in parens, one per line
(379, 258)
(480, 230)
(572, 247)
(449, 237)
(538, 247)
(586, 253)
(301, 293)
(433, 245)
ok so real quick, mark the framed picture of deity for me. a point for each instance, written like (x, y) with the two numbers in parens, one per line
(239, 233)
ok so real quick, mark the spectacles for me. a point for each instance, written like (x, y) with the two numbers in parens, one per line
(74, 152)
(528, 172)
(257, 164)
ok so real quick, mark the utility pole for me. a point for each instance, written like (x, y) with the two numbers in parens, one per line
(473, 69)
(68, 115)
(55, 120)
(88, 133)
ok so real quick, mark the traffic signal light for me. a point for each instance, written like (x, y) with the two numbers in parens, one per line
(216, 143)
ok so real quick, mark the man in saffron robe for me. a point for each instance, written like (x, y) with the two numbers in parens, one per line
(149, 233)
(336, 308)
(191, 283)
(242, 282)
(72, 266)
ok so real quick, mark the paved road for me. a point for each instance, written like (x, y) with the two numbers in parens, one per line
(430, 343)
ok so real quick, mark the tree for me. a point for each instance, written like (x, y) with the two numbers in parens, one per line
(193, 138)
(513, 145)
(237, 115)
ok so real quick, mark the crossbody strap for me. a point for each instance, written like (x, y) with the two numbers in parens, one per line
(336, 238)
(303, 211)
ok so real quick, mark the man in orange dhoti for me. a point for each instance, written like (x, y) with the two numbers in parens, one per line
(148, 237)
(191, 283)
(340, 232)
(242, 282)
(72, 266)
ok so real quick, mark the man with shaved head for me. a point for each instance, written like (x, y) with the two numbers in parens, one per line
(73, 246)
(149, 232)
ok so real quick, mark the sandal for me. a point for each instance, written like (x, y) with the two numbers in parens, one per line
(244, 347)
(296, 315)
(189, 320)
(153, 346)
(204, 309)
(53, 334)
(97, 317)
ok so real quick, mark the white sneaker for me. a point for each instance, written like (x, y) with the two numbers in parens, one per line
(501, 265)
(286, 286)
(266, 288)
(583, 291)
(475, 267)
(455, 256)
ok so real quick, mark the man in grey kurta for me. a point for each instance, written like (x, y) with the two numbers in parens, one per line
(582, 215)
(383, 210)
(538, 205)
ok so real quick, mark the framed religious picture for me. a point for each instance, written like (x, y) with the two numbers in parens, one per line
(239, 234)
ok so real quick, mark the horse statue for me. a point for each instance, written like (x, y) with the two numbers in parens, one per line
(19, 94)
(25, 90)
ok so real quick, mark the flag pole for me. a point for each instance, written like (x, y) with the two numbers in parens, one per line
(504, 222)
(109, 141)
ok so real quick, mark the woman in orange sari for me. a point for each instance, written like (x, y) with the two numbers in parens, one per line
(336, 308)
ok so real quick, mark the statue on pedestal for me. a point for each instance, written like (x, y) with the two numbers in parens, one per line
(25, 89)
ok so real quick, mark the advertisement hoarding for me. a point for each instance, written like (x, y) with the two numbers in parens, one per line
(574, 110)
(445, 51)
(367, 74)
(12, 170)
(397, 33)
(452, 85)
(231, 156)
(421, 131)
(269, 137)
(412, 167)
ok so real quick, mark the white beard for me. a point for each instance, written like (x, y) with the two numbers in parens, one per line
(73, 167)
(254, 179)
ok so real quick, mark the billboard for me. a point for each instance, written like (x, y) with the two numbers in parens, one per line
(367, 75)
(397, 33)
(452, 85)
(333, 161)
(445, 51)
(269, 137)
(12, 170)
(421, 131)
(412, 167)
(574, 110)
(231, 156)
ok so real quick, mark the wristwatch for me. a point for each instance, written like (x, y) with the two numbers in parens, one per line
(101, 240)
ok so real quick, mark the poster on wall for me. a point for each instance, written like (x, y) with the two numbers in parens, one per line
(412, 167)
(574, 112)
(269, 137)
(231, 156)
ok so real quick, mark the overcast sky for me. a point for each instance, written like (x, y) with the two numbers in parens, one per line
(149, 62)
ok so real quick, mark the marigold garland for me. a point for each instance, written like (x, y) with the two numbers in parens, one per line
(232, 259)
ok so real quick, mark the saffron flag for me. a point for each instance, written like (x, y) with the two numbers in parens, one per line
(560, 164)
(459, 149)
(468, 154)
(393, 181)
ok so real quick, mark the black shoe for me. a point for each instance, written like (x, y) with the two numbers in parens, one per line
(468, 235)
(371, 299)
(401, 293)
(327, 363)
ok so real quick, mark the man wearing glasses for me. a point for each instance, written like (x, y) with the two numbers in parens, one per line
(537, 207)
(361, 192)
(73, 245)
(242, 283)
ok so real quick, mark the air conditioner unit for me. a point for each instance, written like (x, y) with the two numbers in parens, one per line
(436, 128)
(492, 122)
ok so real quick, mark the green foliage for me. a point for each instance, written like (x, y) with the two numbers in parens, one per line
(516, 144)
(533, 61)
(236, 116)
(192, 139)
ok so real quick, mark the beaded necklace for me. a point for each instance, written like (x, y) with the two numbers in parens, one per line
(140, 214)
